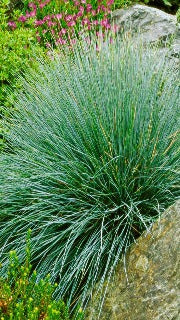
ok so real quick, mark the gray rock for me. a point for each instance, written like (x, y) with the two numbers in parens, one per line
(150, 24)
(150, 287)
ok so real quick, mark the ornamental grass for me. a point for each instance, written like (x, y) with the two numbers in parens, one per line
(92, 161)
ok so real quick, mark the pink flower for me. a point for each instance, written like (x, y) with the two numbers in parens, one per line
(81, 8)
(42, 5)
(76, 3)
(47, 18)
(60, 41)
(104, 22)
(89, 7)
(63, 31)
(32, 5)
(96, 22)
(48, 45)
(38, 23)
(93, 12)
(22, 18)
(83, 1)
(12, 24)
(75, 17)
(98, 9)
(71, 23)
(85, 21)
(69, 17)
(58, 16)
(110, 2)
(50, 23)
(27, 15)
(108, 26)
(33, 13)
(38, 38)
(79, 14)
(103, 8)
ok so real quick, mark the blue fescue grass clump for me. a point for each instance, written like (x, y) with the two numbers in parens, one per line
(93, 160)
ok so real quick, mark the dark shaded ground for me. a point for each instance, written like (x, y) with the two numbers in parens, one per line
(169, 9)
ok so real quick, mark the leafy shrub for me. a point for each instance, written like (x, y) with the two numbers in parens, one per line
(17, 47)
(94, 160)
(22, 298)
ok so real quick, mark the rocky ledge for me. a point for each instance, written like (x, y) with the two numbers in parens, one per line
(151, 25)
(150, 287)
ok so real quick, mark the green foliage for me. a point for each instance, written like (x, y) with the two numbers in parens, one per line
(178, 15)
(167, 5)
(17, 47)
(94, 160)
(22, 297)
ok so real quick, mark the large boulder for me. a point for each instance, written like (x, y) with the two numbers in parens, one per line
(148, 287)
(151, 24)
